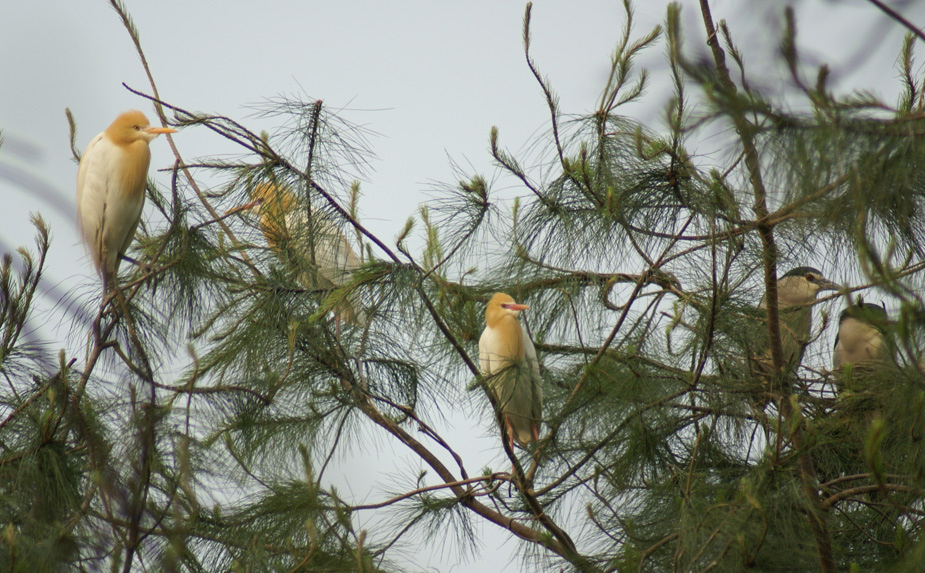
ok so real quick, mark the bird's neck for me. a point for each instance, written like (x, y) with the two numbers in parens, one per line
(273, 219)
(794, 291)
(134, 169)
(509, 330)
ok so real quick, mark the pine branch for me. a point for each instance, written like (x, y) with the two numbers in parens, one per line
(465, 494)
(490, 487)
(766, 232)
(899, 18)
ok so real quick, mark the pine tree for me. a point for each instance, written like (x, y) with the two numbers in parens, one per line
(223, 377)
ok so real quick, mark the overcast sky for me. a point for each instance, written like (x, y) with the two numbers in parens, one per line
(430, 78)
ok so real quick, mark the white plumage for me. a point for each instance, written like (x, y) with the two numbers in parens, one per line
(508, 358)
(310, 245)
(111, 189)
(859, 336)
(796, 291)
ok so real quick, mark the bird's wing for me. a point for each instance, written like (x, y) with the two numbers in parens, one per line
(515, 385)
(335, 259)
(838, 355)
(301, 246)
(857, 341)
(90, 192)
(536, 380)
(85, 161)
(318, 239)
(484, 356)
(493, 358)
(109, 202)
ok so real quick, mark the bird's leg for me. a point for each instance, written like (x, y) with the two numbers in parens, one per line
(535, 454)
(110, 286)
(510, 441)
(510, 432)
(246, 207)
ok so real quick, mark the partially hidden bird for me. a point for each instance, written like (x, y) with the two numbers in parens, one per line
(111, 189)
(508, 360)
(309, 244)
(796, 292)
(860, 334)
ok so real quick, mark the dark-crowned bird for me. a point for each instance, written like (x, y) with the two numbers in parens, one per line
(796, 293)
(860, 334)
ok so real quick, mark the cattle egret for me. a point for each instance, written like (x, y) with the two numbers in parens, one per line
(309, 244)
(508, 359)
(796, 292)
(111, 189)
(860, 338)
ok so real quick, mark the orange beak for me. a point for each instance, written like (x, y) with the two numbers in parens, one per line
(514, 306)
(250, 208)
(159, 130)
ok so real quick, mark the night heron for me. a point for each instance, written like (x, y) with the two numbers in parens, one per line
(860, 334)
(796, 293)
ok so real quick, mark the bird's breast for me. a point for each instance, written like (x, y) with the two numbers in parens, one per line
(136, 158)
(854, 335)
(110, 196)
(501, 345)
(119, 170)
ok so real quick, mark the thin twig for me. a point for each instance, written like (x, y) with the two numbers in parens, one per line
(899, 18)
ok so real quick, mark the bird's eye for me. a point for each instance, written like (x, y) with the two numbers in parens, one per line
(136, 127)
(810, 278)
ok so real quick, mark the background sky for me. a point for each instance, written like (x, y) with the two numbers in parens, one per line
(429, 79)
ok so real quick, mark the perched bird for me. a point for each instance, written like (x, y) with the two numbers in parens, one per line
(309, 244)
(111, 189)
(860, 334)
(796, 291)
(508, 359)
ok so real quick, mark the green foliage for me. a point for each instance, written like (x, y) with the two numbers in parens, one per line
(216, 390)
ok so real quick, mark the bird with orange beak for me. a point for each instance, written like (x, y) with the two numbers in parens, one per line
(309, 243)
(508, 360)
(111, 189)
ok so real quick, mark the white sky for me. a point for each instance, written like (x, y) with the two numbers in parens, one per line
(430, 78)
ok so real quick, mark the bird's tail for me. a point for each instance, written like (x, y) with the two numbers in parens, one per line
(525, 429)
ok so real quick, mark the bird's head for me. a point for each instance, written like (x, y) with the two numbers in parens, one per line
(271, 202)
(874, 314)
(271, 197)
(500, 305)
(801, 285)
(133, 126)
